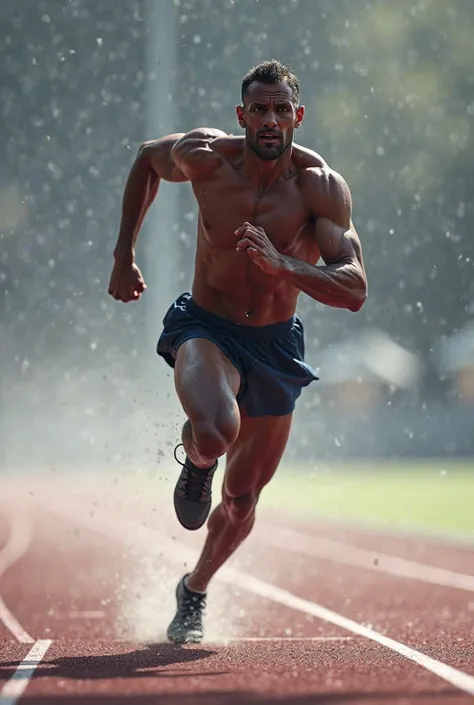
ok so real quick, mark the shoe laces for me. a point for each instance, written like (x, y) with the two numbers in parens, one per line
(194, 482)
(191, 607)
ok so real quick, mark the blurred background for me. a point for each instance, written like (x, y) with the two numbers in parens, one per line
(389, 95)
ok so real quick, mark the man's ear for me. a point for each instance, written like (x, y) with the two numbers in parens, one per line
(240, 115)
(299, 115)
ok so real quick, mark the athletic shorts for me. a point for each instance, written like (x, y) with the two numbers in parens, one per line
(270, 359)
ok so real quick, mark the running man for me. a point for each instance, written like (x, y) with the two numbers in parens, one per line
(268, 211)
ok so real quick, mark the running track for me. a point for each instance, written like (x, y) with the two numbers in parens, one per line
(304, 614)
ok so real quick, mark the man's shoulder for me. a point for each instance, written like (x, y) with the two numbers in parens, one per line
(324, 181)
(305, 158)
(201, 150)
(227, 145)
(325, 190)
(218, 144)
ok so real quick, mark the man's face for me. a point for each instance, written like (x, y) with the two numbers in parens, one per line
(270, 118)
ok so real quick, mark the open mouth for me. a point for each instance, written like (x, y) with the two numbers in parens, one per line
(269, 139)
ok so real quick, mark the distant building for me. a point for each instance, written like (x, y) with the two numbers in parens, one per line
(456, 361)
(359, 374)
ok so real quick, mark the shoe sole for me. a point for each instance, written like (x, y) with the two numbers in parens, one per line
(188, 640)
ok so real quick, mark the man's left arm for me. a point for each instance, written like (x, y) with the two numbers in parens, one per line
(342, 281)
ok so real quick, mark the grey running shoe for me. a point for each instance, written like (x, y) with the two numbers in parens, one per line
(187, 627)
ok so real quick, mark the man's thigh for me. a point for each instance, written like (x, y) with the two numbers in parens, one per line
(207, 383)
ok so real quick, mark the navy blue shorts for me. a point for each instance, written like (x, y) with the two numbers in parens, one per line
(270, 359)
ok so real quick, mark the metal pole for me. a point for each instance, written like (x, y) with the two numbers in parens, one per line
(160, 262)
(160, 255)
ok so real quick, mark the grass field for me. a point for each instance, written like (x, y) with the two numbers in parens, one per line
(434, 495)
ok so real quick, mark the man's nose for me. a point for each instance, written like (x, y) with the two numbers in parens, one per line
(270, 120)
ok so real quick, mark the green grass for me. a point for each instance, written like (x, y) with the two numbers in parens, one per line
(437, 496)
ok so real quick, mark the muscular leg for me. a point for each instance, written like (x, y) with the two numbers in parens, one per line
(251, 462)
(207, 385)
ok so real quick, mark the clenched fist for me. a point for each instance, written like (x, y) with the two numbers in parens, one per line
(254, 240)
(126, 281)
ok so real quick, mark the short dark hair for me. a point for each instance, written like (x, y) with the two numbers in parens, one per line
(272, 72)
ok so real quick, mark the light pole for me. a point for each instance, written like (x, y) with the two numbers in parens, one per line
(160, 263)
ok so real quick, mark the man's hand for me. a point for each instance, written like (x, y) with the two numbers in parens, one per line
(260, 250)
(126, 281)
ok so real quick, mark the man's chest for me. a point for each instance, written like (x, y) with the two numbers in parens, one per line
(225, 206)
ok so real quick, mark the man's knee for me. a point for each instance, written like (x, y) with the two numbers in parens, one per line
(213, 438)
(240, 509)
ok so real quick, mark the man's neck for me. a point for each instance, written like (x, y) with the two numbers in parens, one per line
(263, 173)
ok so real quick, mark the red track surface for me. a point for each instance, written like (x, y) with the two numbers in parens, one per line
(98, 601)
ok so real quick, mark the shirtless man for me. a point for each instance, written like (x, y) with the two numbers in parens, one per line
(268, 211)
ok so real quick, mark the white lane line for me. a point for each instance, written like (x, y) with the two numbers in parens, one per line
(18, 542)
(339, 552)
(279, 639)
(459, 679)
(151, 542)
(16, 685)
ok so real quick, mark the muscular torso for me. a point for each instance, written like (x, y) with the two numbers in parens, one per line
(227, 282)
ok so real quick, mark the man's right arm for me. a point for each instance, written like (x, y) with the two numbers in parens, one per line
(178, 157)
(152, 163)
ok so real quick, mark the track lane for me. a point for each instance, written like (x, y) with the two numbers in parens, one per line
(88, 573)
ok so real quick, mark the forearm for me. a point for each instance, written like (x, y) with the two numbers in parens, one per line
(341, 285)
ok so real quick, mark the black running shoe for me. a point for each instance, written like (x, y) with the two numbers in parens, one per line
(186, 627)
(193, 494)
